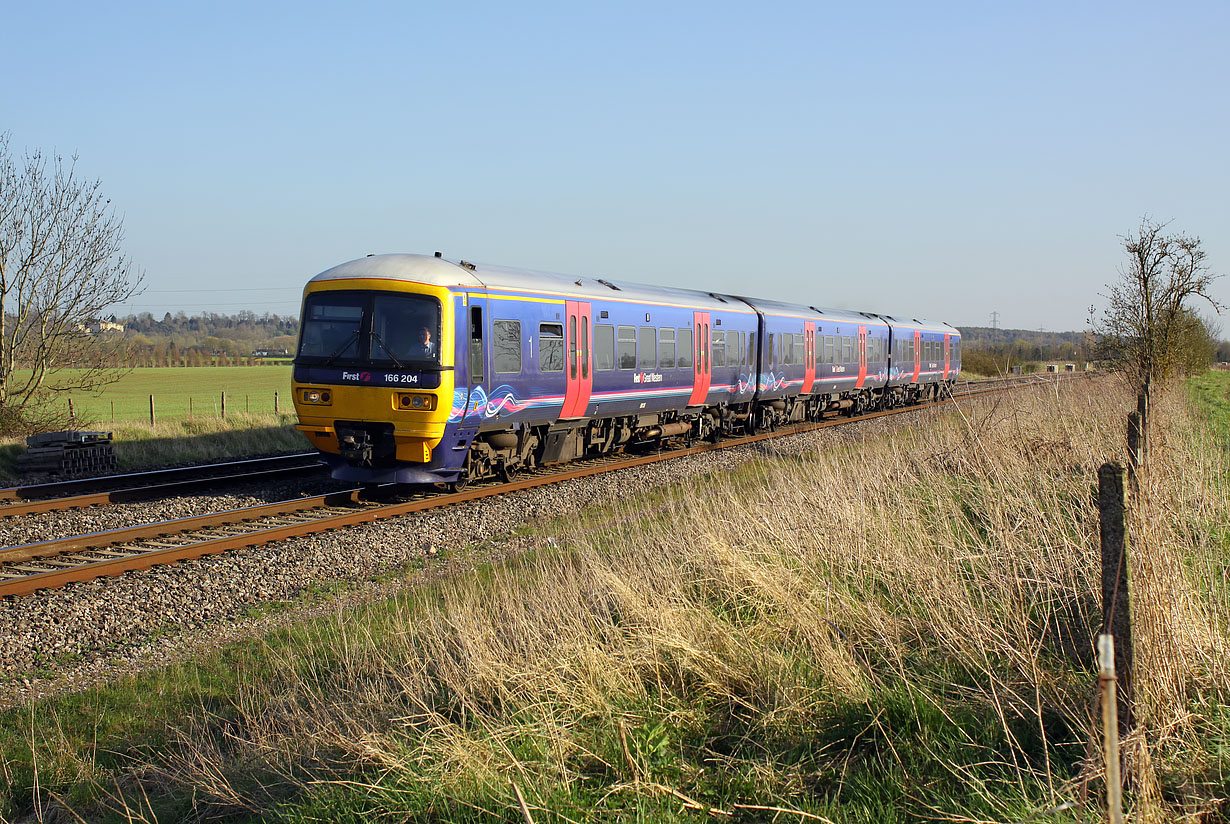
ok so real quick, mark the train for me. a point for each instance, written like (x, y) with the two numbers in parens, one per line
(419, 369)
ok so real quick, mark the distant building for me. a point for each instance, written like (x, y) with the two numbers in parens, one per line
(98, 327)
(271, 353)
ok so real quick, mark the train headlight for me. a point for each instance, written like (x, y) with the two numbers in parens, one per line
(416, 403)
(320, 396)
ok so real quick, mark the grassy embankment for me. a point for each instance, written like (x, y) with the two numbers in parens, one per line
(188, 423)
(893, 629)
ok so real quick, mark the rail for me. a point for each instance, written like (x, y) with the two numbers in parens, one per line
(50, 564)
(140, 486)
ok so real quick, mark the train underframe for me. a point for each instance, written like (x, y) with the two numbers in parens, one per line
(507, 453)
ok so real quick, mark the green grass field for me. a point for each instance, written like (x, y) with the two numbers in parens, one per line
(1212, 391)
(179, 391)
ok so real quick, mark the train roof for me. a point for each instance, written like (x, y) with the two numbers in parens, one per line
(777, 307)
(441, 271)
(922, 325)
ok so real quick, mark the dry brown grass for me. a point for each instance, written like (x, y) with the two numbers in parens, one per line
(956, 561)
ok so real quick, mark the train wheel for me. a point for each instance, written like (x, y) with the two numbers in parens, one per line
(509, 472)
(463, 480)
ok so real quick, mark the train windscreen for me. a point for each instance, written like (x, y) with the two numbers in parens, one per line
(383, 328)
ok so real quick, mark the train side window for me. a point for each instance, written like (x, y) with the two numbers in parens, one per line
(506, 347)
(751, 349)
(827, 346)
(800, 350)
(550, 347)
(572, 346)
(666, 348)
(627, 347)
(648, 348)
(771, 349)
(683, 348)
(604, 347)
(584, 347)
(735, 356)
(719, 348)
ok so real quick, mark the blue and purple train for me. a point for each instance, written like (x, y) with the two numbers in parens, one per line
(417, 369)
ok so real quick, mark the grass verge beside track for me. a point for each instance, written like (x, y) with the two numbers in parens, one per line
(891, 629)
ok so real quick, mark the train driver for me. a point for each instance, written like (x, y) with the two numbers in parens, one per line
(427, 346)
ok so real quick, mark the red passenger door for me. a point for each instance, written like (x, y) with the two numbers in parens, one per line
(947, 354)
(578, 371)
(809, 355)
(701, 370)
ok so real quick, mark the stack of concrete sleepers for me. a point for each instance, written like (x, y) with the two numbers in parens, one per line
(67, 453)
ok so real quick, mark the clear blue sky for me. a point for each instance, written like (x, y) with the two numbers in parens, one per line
(948, 160)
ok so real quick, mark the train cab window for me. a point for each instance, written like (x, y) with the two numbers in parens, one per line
(506, 347)
(648, 348)
(627, 347)
(604, 347)
(331, 325)
(666, 348)
(550, 347)
(683, 348)
(719, 348)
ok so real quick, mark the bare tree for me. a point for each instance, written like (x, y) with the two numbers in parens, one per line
(1149, 319)
(61, 268)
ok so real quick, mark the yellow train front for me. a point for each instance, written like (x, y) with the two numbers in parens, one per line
(375, 369)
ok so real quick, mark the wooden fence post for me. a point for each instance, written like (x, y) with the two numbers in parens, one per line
(1135, 442)
(72, 413)
(1116, 596)
(275, 401)
(112, 411)
(1110, 728)
(151, 410)
(224, 403)
(1142, 410)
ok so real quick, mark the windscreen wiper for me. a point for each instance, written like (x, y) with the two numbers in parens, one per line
(386, 348)
(350, 339)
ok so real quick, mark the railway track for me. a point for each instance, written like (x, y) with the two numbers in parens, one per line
(54, 563)
(143, 486)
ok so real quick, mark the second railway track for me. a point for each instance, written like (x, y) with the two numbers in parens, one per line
(54, 563)
(143, 486)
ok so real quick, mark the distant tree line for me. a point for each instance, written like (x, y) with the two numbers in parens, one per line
(205, 339)
(988, 351)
